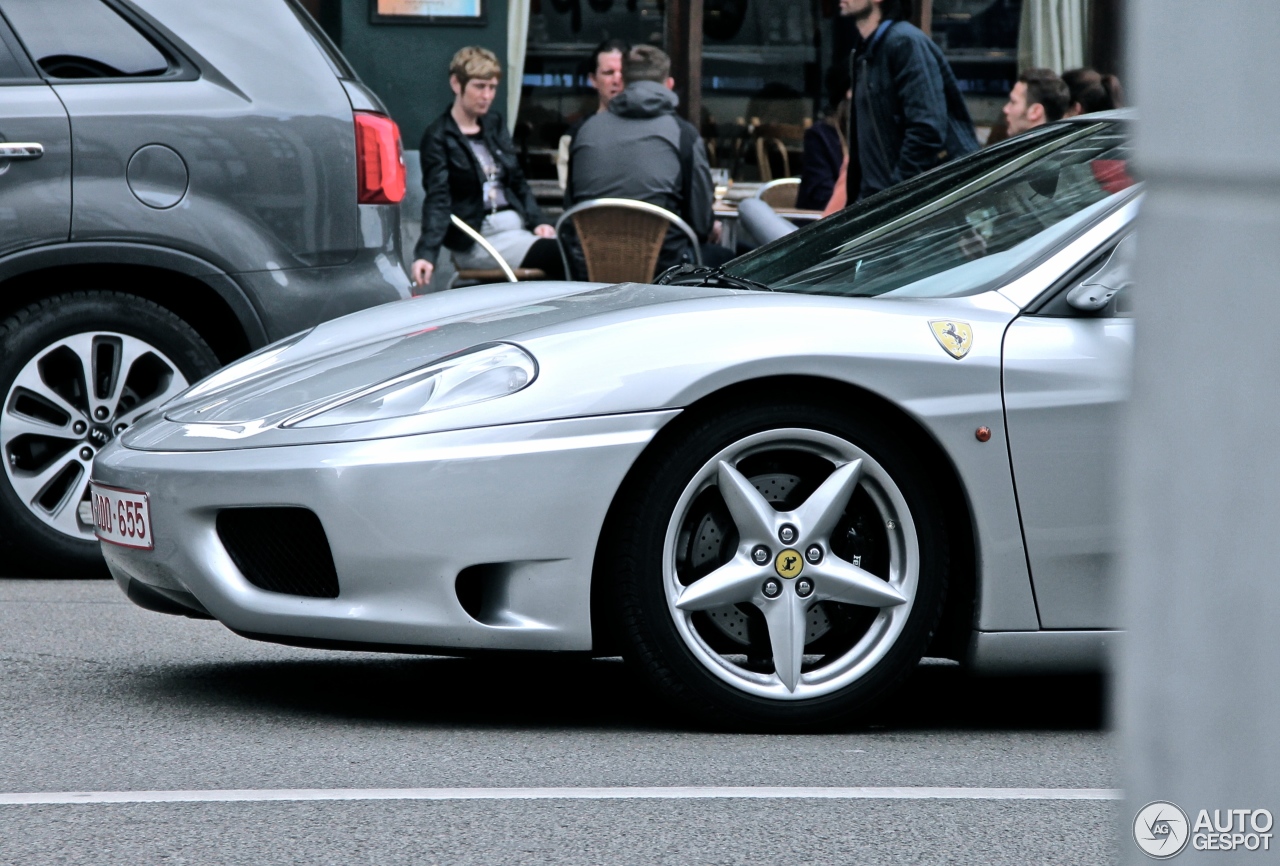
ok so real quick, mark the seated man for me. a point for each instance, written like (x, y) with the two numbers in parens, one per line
(639, 149)
(606, 79)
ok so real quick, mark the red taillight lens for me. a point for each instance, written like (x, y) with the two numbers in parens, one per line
(380, 174)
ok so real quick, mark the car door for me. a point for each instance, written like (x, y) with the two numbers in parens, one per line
(1066, 380)
(35, 155)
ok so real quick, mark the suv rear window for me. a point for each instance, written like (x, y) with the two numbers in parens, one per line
(82, 39)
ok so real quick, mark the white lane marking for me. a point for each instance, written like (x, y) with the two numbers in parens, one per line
(698, 793)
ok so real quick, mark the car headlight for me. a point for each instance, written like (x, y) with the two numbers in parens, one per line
(472, 376)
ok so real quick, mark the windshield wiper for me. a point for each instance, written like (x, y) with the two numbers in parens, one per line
(697, 275)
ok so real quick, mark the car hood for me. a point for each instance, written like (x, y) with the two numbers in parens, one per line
(599, 350)
(353, 352)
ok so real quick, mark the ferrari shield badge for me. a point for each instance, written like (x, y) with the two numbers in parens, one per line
(956, 338)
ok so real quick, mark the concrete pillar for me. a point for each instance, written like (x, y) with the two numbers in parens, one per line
(1198, 685)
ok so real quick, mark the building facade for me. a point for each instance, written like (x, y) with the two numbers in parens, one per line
(739, 64)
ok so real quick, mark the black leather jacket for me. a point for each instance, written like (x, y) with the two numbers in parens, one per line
(454, 183)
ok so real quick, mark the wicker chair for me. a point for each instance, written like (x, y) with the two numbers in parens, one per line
(780, 194)
(621, 239)
(504, 271)
(765, 144)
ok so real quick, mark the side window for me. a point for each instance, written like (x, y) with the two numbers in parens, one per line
(76, 39)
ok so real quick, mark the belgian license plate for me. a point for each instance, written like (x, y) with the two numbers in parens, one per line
(121, 516)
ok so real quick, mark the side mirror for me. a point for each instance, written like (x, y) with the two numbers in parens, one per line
(1101, 286)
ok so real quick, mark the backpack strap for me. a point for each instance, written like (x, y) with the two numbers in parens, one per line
(879, 34)
(688, 137)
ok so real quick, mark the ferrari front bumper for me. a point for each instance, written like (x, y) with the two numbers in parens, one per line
(403, 517)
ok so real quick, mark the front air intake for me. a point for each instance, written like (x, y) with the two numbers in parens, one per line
(280, 550)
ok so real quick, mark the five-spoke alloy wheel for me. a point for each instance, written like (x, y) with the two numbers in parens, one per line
(75, 372)
(785, 567)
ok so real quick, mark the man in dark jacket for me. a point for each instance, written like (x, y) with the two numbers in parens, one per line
(640, 149)
(908, 115)
(606, 79)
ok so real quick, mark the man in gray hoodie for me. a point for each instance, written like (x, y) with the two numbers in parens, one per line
(640, 149)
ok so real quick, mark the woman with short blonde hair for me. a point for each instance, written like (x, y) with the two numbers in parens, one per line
(470, 170)
(475, 62)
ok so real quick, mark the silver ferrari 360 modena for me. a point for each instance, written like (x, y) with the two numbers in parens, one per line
(773, 487)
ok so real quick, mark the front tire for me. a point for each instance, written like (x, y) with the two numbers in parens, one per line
(779, 566)
(75, 371)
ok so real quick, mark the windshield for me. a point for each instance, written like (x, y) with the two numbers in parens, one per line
(960, 229)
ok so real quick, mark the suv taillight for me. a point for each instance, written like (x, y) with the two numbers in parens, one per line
(380, 176)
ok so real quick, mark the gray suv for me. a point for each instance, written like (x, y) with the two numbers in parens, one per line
(180, 183)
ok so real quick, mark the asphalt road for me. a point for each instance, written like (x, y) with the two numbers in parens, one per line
(98, 695)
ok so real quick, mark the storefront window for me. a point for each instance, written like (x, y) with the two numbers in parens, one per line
(765, 68)
(980, 41)
(760, 77)
(760, 64)
(555, 90)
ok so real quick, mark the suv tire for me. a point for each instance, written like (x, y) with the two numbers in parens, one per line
(75, 370)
